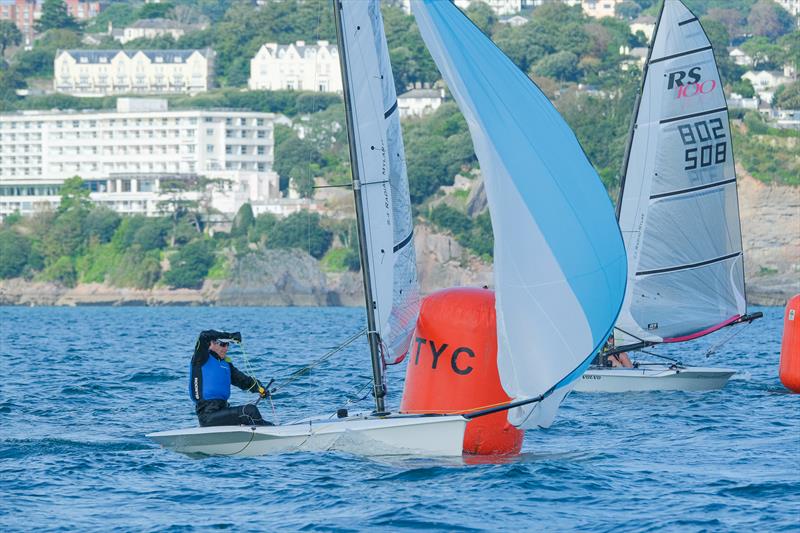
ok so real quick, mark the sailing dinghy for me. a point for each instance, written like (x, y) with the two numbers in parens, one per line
(385, 231)
(679, 214)
(560, 267)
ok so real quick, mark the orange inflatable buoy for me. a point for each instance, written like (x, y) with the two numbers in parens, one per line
(789, 370)
(452, 367)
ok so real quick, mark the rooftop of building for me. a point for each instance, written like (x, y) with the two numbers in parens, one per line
(104, 56)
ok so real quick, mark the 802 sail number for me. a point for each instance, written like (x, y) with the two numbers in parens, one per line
(702, 132)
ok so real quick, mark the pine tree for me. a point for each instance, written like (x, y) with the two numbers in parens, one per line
(55, 15)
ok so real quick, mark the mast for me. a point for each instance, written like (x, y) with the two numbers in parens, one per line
(378, 387)
(632, 129)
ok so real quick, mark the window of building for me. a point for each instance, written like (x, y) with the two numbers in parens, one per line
(228, 149)
(209, 148)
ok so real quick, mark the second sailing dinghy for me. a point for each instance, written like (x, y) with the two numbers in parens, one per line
(559, 257)
(679, 214)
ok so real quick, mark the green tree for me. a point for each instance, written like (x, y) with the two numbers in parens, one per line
(10, 81)
(74, 196)
(768, 19)
(562, 66)
(61, 271)
(743, 88)
(482, 15)
(628, 10)
(411, 62)
(302, 178)
(264, 224)
(733, 19)
(189, 266)
(101, 223)
(14, 252)
(295, 153)
(118, 14)
(788, 96)
(243, 221)
(66, 237)
(155, 11)
(9, 36)
(55, 16)
(302, 230)
(764, 52)
(39, 61)
(152, 234)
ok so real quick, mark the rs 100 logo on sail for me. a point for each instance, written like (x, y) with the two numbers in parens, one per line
(688, 83)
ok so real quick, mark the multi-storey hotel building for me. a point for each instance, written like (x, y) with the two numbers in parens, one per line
(128, 156)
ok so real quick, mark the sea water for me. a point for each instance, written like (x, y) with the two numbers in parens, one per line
(80, 388)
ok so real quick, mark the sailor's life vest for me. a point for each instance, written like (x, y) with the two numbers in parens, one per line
(212, 382)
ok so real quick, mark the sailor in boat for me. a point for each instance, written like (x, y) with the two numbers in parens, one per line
(211, 375)
(619, 360)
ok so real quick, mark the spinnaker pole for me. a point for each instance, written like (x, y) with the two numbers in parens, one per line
(379, 389)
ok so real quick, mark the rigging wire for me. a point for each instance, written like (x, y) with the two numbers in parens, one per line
(298, 373)
(714, 347)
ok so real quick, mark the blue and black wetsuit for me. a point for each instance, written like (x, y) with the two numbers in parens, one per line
(210, 380)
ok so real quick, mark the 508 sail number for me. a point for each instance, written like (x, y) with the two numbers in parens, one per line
(704, 133)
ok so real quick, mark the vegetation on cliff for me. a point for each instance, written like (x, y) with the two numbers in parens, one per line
(85, 243)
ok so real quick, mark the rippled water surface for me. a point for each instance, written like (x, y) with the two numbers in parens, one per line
(81, 386)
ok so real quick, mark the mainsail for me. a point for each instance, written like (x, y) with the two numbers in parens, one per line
(559, 259)
(380, 180)
(678, 208)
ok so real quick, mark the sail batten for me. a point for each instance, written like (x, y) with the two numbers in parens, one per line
(559, 261)
(678, 210)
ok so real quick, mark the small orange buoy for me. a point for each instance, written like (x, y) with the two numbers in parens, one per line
(789, 371)
(452, 367)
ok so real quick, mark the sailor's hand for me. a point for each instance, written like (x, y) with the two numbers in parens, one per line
(236, 337)
(263, 392)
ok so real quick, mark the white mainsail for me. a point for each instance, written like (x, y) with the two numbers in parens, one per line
(559, 260)
(381, 169)
(679, 211)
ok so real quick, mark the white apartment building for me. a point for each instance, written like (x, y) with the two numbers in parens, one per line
(128, 155)
(298, 66)
(765, 82)
(152, 28)
(105, 72)
(419, 102)
(740, 58)
(600, 8)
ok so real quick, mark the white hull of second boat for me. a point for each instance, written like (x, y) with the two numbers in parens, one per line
(363, 435)
(653, 378)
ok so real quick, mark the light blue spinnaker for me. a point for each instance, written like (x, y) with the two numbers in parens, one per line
(559, 260)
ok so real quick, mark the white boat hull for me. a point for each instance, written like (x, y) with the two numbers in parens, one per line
(653, 378)
(364, 435)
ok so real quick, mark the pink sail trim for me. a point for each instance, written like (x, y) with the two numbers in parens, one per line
(706, 331)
